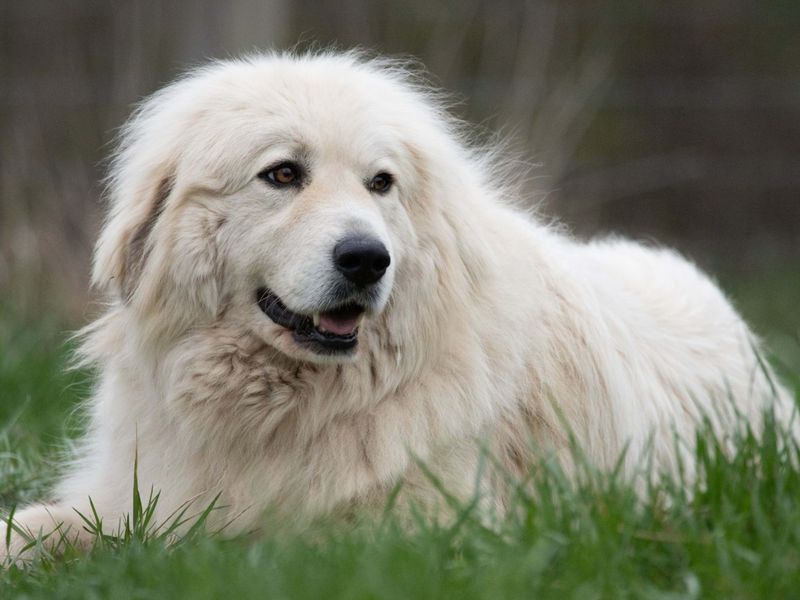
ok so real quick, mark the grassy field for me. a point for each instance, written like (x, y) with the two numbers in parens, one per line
(738, 537)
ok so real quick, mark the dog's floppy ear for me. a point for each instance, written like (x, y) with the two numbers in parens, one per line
(142, 179)
(137, 201)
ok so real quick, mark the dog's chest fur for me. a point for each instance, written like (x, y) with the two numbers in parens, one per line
(295, 434)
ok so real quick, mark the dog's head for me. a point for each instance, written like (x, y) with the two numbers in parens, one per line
(283, 192)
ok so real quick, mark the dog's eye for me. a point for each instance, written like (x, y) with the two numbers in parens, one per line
(286, 173)
(381, 183)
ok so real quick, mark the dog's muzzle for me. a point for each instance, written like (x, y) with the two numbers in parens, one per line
(362, 261)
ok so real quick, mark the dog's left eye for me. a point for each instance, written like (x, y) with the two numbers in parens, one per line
(381, 183)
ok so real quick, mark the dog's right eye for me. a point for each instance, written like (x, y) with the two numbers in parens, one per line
(286, 173)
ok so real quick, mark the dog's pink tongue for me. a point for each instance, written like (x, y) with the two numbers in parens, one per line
(338, 324)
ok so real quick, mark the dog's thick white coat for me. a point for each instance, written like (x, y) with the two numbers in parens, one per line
(491, 328)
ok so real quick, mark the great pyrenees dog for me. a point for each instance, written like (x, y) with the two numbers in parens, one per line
(316, 285)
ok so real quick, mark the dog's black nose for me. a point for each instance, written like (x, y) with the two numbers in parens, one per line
(363, 260)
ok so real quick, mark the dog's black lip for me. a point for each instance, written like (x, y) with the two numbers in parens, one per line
(275, 309)
(302, 327)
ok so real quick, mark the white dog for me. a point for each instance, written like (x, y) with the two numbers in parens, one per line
(315, 282)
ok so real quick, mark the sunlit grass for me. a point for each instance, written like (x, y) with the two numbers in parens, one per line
(735, 533)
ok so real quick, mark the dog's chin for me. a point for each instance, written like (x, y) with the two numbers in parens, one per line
(330, 335)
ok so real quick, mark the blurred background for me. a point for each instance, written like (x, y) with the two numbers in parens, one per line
(675, 121)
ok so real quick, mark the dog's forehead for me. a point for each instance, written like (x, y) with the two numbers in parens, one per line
(300, 89)
(326, 110)
(309, 111)
(345, 114)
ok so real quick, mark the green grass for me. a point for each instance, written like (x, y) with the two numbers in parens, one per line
(38, 400)
(737, 537)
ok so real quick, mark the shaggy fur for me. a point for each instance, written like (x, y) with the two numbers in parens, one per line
(489, 328)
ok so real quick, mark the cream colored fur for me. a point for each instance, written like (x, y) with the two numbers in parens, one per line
(492, 328)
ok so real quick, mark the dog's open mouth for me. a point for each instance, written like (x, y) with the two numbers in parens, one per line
(330, 331)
